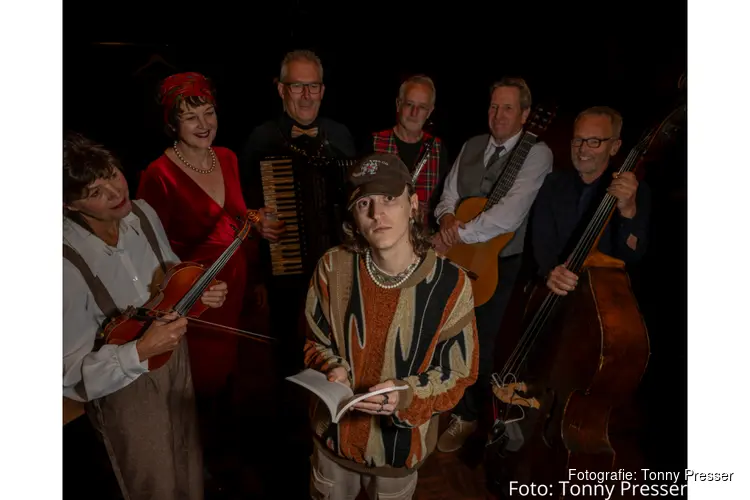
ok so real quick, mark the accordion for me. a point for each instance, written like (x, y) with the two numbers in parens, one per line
(308, 196)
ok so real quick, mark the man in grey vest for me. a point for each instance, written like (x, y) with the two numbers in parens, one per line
(474, 173)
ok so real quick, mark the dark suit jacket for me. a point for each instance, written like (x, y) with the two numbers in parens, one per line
(563, 209)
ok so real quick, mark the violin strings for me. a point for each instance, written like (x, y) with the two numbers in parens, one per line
(209, 275)
(195, 293)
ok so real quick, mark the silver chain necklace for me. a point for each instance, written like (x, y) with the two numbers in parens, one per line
(189, 165)
(385, 280)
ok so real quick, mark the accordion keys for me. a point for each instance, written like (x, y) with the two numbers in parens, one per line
(308, 199)
(280, 194)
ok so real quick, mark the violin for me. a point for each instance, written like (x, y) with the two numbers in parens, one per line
(180, 291)
(580, 357)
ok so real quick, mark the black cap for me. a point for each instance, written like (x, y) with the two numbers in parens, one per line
(378, 173)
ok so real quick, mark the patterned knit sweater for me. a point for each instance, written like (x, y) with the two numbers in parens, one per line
(421, 334)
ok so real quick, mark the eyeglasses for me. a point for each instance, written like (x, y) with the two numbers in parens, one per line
(592, 142)
(298, 88)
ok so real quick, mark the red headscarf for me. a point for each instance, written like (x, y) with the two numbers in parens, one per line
(182, 85)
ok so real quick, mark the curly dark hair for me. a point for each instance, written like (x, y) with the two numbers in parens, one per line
(418, 236)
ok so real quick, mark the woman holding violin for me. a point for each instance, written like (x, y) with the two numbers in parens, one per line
(114, 253)
(195, 188)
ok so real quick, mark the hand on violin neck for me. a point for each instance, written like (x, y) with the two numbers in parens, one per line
(269, 226)
(162, 336)
(215, 295)
(561, 281)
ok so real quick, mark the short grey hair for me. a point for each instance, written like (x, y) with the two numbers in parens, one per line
(614, 116)
(421, 80)
(520, 84)
(299, 55)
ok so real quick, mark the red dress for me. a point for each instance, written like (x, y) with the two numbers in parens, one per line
(199, 231)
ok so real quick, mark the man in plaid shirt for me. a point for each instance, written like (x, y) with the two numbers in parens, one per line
(407, 139)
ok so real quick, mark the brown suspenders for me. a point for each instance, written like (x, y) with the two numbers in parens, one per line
(102, 297)
(148, 231)
(73, 409)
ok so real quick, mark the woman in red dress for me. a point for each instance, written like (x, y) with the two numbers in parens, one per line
(195, 189)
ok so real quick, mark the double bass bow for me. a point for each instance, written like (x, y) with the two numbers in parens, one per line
(580, 357)
(180, 291)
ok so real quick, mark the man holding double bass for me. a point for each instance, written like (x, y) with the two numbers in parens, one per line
(568, 196)
(555, 372)
(115, 252)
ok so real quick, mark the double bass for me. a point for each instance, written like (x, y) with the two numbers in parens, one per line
(180, 291)
(579, 358)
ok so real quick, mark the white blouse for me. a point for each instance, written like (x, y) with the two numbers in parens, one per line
(129, 271)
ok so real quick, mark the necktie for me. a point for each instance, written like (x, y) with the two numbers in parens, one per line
(311, 132)
(495, 156)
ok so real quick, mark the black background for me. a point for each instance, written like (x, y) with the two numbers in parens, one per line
(627, 55)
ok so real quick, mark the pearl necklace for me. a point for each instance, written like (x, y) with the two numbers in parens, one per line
(385, 280)
(189, 165)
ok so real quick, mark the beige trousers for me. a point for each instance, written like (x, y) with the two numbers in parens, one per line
(150, 431)
(330, 481)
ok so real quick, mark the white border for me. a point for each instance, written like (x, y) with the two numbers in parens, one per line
(31, 368)
(719, 189)
(718, 192)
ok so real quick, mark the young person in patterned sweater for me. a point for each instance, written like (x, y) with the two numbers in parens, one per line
(384, 309)
(407, 139)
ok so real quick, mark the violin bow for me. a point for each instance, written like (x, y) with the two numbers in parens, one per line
(144, 314)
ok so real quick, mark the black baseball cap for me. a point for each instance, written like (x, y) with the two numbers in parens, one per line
(378, 173)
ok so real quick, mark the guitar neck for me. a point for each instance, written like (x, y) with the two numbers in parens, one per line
(508, 177)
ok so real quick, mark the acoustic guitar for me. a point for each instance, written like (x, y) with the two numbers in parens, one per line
(480, 260)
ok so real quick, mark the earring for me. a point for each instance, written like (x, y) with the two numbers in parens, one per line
(411, 220)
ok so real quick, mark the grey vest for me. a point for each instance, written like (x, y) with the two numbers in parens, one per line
(475, 180)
